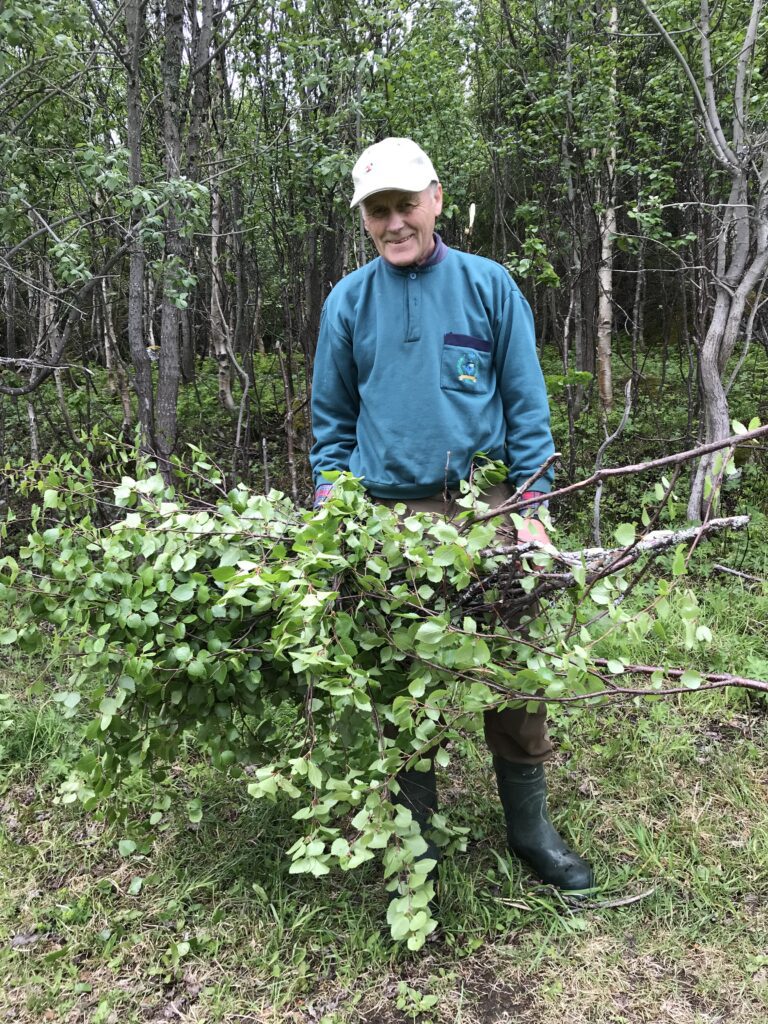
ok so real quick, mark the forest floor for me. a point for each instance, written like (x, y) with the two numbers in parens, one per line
(667, 797)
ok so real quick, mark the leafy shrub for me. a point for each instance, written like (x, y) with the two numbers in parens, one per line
(314, 654)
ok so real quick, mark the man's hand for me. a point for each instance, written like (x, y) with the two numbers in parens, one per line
(532, 529)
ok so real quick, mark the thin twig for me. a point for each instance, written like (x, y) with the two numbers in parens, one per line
(741, 575)
(625, 901)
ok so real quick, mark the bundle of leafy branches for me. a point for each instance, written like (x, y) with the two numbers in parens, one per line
(312, 653)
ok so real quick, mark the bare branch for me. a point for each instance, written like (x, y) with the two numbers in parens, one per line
(639, 467)
(597, 563)
(736, 572)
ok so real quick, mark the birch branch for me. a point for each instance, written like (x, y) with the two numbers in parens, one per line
(514, 505)
(711, 681)
(597, 563)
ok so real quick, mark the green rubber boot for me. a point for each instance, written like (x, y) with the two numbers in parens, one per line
(530, 833)
(418, 792)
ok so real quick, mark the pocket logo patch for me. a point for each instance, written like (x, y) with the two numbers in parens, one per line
(466, 368)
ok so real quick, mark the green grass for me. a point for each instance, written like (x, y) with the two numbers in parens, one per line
(667, 798)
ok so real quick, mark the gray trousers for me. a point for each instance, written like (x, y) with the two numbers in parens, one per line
(514, 733)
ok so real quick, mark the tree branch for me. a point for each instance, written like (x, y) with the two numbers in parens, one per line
(597, 563)
(638, 467)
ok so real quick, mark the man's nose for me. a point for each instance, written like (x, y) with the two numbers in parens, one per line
(395, 220)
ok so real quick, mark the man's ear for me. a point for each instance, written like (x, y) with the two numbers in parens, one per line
(438, 199)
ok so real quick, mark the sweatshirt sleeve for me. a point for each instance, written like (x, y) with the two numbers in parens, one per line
(523, 393)
(335, 401)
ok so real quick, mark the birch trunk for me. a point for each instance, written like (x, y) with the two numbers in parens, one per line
(115, 367)
(607, 229)
(169, 365)
(218, 324)
(9, 305)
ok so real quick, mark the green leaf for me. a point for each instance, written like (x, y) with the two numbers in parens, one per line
(691, 679)
(625, 534)
(224, 573)
(678, 561)
(417, 687)
(340, 847)
(444, 532)
(69, 699)
(431, 632)
(126, 847)
(8, 636)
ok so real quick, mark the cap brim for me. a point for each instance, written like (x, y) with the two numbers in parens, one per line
(364, 193)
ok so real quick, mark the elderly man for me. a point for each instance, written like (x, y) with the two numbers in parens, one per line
(425, 357)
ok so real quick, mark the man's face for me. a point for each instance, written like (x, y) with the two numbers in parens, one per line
(401, 223)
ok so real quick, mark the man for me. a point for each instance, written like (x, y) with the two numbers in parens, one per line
(425, 357)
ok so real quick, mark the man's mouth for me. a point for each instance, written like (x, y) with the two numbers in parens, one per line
(399, 241)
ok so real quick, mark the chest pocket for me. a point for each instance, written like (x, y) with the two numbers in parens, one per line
(466, 364)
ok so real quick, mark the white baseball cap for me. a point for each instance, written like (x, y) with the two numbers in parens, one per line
(392, 163)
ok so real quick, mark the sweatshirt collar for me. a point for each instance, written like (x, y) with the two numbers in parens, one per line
(438, 253)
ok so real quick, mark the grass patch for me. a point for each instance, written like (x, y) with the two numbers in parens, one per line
(667, 798)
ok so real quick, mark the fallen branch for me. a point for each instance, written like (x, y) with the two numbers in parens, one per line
(735, 572)
(597, 562)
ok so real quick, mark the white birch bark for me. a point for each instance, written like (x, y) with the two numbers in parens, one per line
(607, 228)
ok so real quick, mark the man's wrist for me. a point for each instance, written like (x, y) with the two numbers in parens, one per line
(533, 508)
(321, 494)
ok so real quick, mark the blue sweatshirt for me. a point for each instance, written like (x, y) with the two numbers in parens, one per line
(419, 368)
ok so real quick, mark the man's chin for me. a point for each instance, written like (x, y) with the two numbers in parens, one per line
(401, 255)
